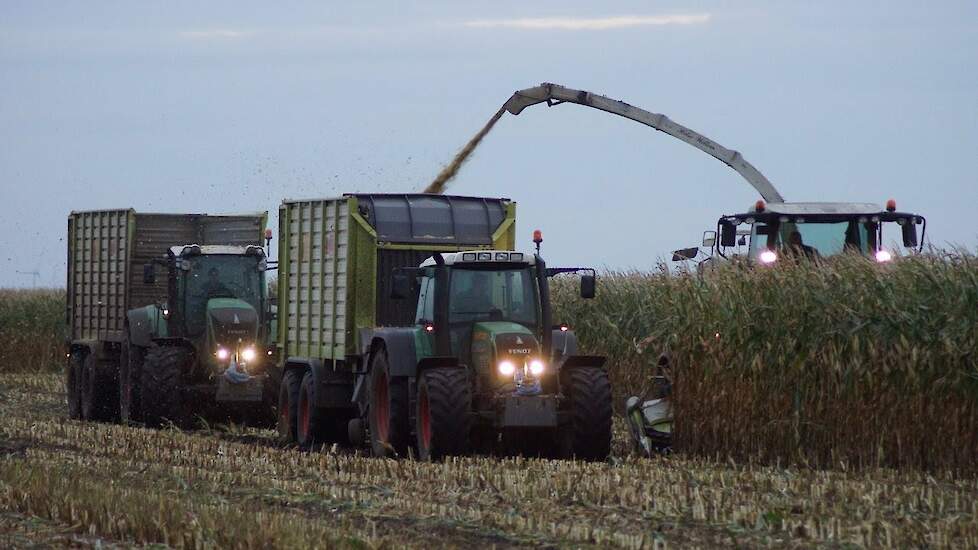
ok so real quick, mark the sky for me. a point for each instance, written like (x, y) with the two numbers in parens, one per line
(225, 107)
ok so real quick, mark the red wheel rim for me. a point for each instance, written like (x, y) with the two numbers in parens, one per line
(303, 416)
(381, 407)
(424, 415)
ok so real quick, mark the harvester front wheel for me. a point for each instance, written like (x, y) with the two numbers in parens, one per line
(389, 425)
(443, 422)
(588, 435)
(131, 361)
(288, 403)
(163, 395)
(98, 391)
(73, 376)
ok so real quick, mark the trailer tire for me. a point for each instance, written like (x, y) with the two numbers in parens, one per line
(389, 424)
(588, 434)
(288, 402)
(443, 424)
(131, 359)
(73, 376)
(163, 388)
(99, 391)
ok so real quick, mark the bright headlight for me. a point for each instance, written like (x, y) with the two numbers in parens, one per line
(248, 354)
(883, 256)
(507, 368)
(222, 354)
(536, 367)
(768, 257)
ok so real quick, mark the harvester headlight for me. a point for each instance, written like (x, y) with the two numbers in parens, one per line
(768, 257)
(883, 256)
(507, 368)
(222, 354)
(248, 354)
(536, 367)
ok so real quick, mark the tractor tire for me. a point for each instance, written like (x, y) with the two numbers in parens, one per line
(73, 383)
(99, 391)
(443, 423)
(288, 403)
(390, 429)
(131, 359)
(588, 435)
(163, 387)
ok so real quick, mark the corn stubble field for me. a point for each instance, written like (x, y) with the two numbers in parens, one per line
(835, 408)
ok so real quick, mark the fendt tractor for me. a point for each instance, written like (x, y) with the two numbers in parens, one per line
(164, 349)
(813, 230)
(409, 324)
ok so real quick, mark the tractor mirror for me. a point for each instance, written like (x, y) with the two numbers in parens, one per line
(400, 286)
(909, 234)
(685, 254)
(588, 286)
(728, 233)
(709, 239)
(149, 274)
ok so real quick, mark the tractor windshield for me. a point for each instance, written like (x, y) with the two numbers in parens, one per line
(814, 239)
(219, 276)
(493, 295)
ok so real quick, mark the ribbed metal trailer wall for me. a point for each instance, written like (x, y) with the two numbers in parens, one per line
(106, 252)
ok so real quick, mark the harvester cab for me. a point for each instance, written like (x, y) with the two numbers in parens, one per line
(211, 334)
(815, 230)
(489, 351)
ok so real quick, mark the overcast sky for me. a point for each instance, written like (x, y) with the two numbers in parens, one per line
(229, 106)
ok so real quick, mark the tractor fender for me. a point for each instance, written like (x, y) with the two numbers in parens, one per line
(334, 390)
(401, 352)
(564, 344)
(577, 361)
(140, 327)
(438, 362)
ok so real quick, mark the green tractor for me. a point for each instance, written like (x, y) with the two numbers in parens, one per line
(205, 350)
(483, 368)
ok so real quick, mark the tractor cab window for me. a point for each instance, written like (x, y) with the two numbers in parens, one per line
(814, 239)
(426, 300)
(218, 276)
(493, 295)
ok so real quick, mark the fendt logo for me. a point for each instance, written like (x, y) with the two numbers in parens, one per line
(519, 351)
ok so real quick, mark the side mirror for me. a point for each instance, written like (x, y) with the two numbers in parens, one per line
(588, 286)
(728, 234)
(149, 274)
(909, 234)
(685, 254)
(709, 239)
(400, 286)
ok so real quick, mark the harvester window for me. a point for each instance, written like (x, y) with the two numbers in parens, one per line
(826, 238)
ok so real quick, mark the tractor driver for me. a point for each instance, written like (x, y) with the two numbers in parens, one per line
(213, 287)
(478, 298)
(798, 248)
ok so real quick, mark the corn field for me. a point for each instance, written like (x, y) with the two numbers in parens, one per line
(843, 364)
(32, 330)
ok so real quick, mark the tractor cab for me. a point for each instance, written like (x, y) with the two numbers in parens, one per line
(816, 230)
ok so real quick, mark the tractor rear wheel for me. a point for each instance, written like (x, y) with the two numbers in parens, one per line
(163, 388)
(98, 391)
(131, 361)
(588, 435)
(73, 379)
(389, 424)
(443, 424)
(288, 402)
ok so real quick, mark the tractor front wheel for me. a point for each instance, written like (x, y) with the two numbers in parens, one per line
(588, 434)
(443, 424)
(163, 388)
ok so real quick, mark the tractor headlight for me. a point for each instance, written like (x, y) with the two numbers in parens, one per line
(768, 257)
(536, 367)
(507, 368)
(248, 354)
(222, 354)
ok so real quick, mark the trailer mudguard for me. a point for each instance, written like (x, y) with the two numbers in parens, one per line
(401, 350)
(575, 361)
(334, 390)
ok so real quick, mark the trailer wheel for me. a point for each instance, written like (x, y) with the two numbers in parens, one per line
(588, 435)
(288, 402)
(443, 422)
(98, 391)
(162, 377)
(389, 425)
(131, 360)
(73, 376)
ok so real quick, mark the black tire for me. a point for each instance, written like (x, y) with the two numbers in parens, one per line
(131, 360)
(317, 426)
(288, 403)
(163, 388)
(73, 382)
(390, 430)
(588, 435)
(99, 391)
(443, 423)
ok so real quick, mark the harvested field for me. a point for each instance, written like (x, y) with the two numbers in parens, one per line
(72, 483)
